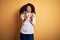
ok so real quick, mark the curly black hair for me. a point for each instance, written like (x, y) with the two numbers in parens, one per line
(24, 8)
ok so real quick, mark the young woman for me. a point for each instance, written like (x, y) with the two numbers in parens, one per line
(28, 17)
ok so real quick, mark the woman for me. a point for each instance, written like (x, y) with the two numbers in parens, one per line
(28, 17)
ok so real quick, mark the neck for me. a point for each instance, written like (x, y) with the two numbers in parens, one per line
(28, 12)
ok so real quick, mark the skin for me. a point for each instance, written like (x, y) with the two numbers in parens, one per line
(29, 11)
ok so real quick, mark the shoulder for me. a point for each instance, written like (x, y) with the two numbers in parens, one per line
(23, 13)
(33, 14)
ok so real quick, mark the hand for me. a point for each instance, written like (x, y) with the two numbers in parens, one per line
(31, 17)
(25, 16)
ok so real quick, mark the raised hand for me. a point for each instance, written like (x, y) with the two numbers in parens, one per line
(25, 15)
(31, 17)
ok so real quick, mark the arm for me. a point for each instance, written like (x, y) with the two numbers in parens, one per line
(33, 19)
(23, 16)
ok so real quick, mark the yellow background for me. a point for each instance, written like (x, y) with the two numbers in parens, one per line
(47, 19)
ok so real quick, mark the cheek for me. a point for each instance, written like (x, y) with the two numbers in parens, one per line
(29, 8)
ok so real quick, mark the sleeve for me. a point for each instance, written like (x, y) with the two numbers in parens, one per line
(22, 16)
(34, 20)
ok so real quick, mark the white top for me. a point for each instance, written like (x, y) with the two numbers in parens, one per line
(27, 25)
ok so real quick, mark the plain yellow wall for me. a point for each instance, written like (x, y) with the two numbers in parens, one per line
(59, 14)
(47, 18)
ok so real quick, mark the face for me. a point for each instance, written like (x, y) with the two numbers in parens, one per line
(28, 9)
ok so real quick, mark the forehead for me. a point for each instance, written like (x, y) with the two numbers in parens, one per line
(28, 6)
